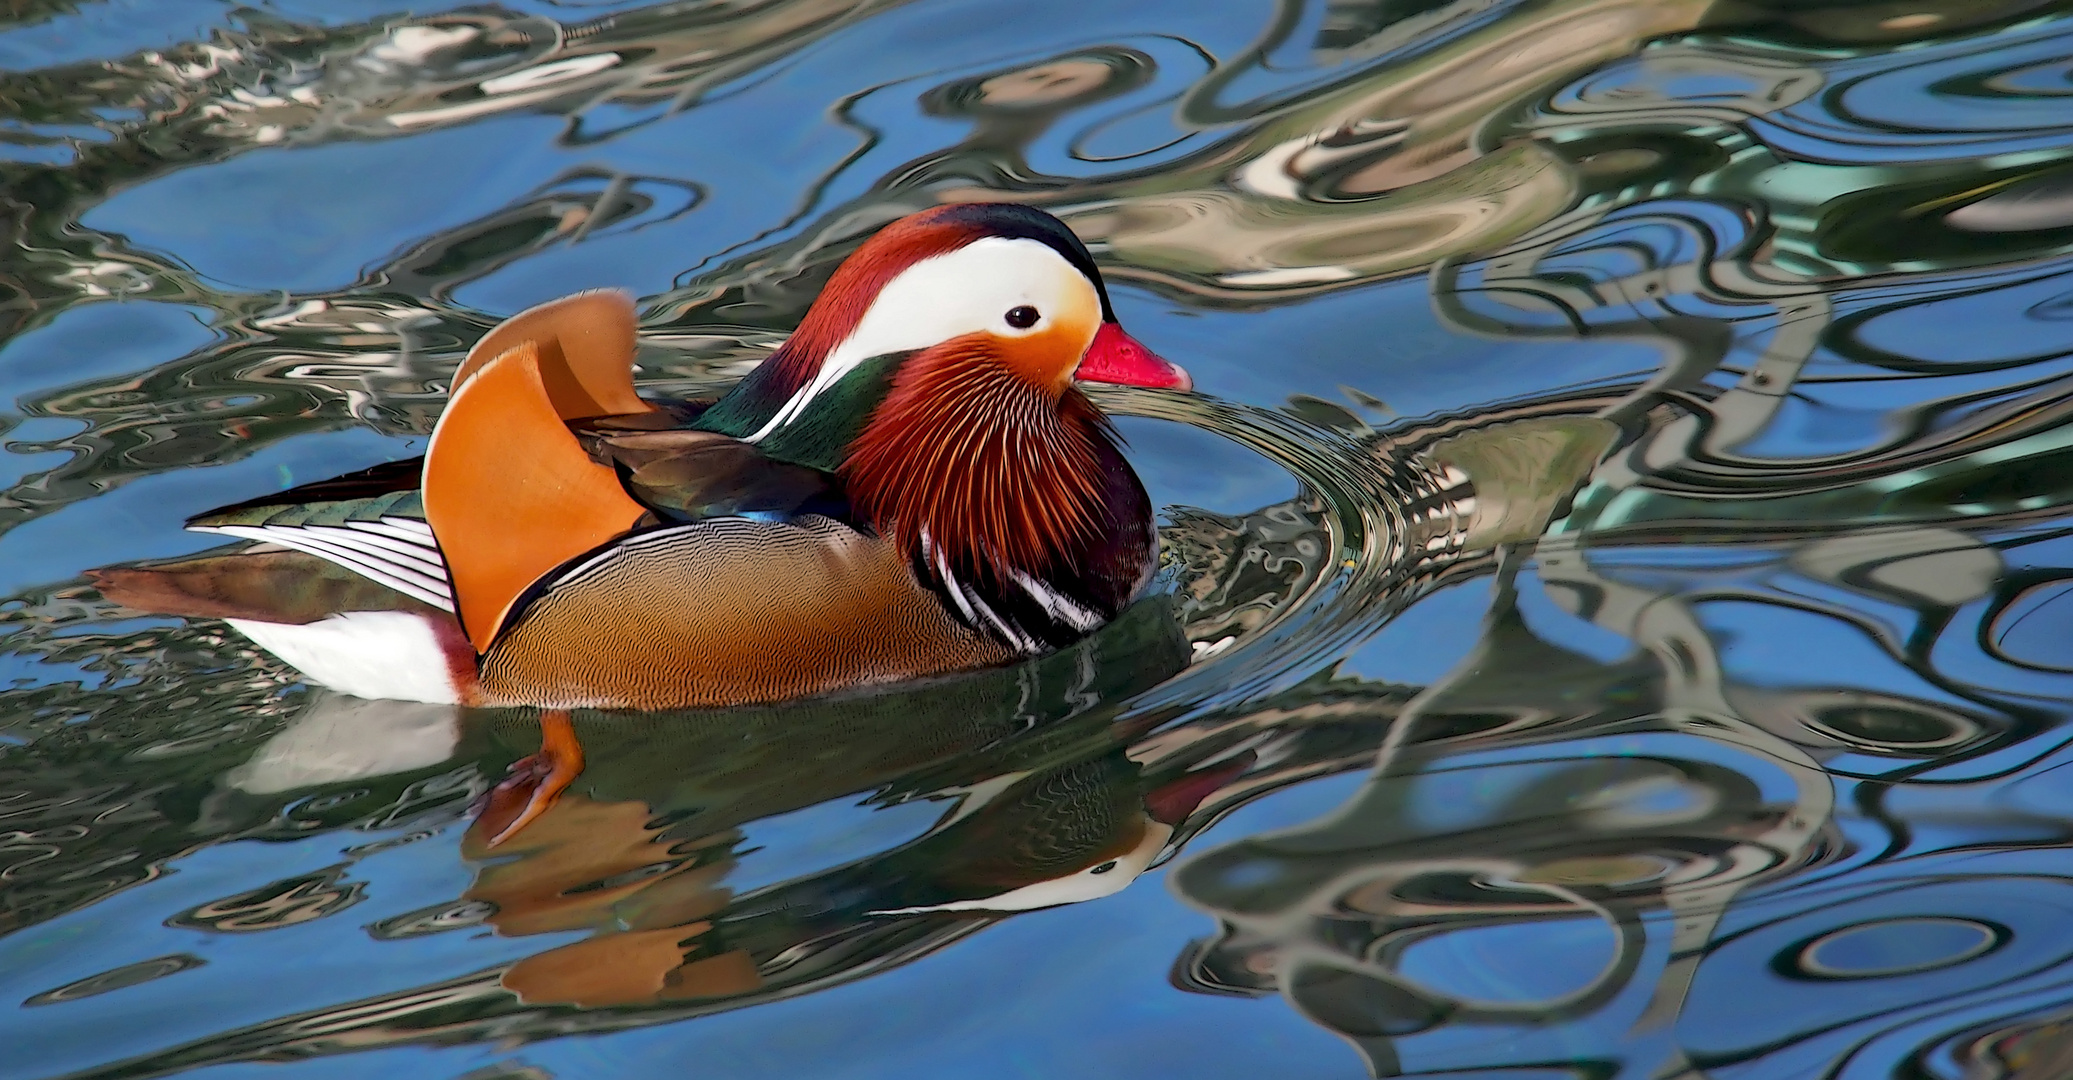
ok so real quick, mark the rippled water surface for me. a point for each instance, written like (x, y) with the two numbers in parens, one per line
(1621, 544)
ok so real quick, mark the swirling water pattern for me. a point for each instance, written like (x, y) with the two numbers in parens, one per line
(1615, 607)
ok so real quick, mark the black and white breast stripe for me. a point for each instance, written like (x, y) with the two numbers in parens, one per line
(977, 613)
(396, 551)
(1061, 609)
(1025, 613)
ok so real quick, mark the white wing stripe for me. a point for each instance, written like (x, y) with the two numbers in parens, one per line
(412, 526)
(408, 582)
(404, 579)
(402, 553)
(387, 527)
(362, 558)
(364, 553)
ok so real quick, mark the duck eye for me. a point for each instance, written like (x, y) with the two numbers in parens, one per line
(1104, 867)
(1023, 317)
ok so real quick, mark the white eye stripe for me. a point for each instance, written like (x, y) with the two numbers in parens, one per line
(947, 296)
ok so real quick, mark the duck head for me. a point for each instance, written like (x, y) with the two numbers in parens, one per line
(1007, 281)
(937, 375)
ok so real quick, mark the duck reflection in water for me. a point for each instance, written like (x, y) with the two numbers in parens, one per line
(1041, 805)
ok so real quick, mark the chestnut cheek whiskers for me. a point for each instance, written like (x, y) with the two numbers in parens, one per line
(1000, 473)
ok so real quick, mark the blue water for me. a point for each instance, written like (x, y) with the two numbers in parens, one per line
(1614, 597)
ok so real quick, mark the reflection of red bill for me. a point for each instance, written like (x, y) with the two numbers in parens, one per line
(1116, 357)
(1172, 801)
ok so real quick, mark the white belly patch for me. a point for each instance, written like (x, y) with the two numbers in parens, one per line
(369, 654)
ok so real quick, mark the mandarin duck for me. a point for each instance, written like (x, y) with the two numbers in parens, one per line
(911, 485)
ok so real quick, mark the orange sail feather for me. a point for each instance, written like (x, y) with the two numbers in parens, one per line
(510, 494)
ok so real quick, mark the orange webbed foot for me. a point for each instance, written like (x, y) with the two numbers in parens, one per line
(535, 781)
